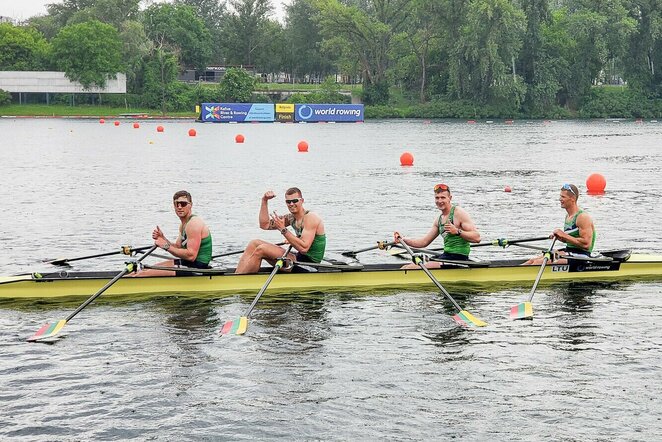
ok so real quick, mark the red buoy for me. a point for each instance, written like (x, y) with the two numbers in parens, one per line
(159, 128)
(136, 125)
(239, 138)
(116, 123)
(507, 189)
(406, 159)
(101, 121)
(302, 146)
(596, 183)
(192, 133)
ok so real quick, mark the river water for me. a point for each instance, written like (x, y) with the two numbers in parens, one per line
(338, 365)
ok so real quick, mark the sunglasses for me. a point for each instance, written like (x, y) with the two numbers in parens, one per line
(442, 188)
(181, 203)
(292, 201)
(568, 187)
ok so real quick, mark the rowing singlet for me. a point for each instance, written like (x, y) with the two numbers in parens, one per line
(317, 248)
(453, 243)
(204, 252)
(570, 227)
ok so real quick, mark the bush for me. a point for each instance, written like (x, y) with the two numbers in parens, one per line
(5, 97)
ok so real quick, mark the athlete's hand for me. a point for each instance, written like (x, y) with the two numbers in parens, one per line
(559, 234)
(278, 221)
(157, 233)
(450, 228)
(269, 194)
(397, 237)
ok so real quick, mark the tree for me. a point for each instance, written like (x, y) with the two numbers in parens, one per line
(89, 53)
(237, 86)
(246, 30)
(213, 13)
(22, 49)
(160, 75)
(365, 30)
(177, 28)
(643, 60)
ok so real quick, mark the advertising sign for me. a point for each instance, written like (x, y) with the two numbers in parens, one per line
(285, 112)
(328, 112)
(237, 112)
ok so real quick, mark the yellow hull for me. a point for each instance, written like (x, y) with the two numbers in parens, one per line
(371, 277)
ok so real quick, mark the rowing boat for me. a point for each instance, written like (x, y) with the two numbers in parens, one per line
(331, 278)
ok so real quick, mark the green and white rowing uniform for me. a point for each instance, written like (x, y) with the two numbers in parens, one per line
(316, 251)
(453, 243)
(204, 252)
(570, 227)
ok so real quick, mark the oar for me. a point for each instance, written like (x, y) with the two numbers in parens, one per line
(462, 317)
(236, 252)
(50, 330)
(380, 245)
(126, 250)
(524, 310)
(504, 242)
(239, 325)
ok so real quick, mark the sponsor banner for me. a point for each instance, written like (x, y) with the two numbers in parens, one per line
(328, 112)
(237, 112)
(285, 107)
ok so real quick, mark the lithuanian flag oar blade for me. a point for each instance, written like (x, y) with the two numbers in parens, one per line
(523, 310)
(236, 327)
(465, 318)
(48, 331)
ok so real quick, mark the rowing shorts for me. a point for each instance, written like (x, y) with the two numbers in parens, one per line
(575, 252)
(301, 258)
(192, 264)
(453, 256)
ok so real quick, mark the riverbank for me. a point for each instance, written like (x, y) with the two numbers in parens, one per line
(85, 111)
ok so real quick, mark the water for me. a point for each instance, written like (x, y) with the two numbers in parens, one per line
(331, 366)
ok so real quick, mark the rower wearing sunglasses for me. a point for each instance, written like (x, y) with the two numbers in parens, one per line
(578, 231)
(193, 245)
(307, 236)
(453, 224)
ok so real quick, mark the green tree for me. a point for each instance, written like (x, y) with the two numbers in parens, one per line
(246, 30)
(89, 53)
(237, 86)
(160, 77)
(22, 49)
(643, 59)
(178, 29)
(213, 13)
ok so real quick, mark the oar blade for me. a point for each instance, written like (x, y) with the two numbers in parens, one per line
(48, 331)
(523, 310)
(467, 319)
(235, 327)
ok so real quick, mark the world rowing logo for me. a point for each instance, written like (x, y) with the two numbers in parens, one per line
(305, 112)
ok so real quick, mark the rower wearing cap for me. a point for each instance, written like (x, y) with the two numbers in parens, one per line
(453, 224)
(578, 231)
(308, 237)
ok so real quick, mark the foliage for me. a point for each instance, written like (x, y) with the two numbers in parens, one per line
(613, 102)
(89, 53)
(247, 31)
(22, 49)
(5, 97)
(237, 86)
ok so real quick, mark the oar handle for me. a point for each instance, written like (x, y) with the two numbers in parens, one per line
(504, 242)
(417, 260)
(277, 267)
(129, 267)
(126, 250)
(380, 245)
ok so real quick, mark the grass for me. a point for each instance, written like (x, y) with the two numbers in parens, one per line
(39, 110)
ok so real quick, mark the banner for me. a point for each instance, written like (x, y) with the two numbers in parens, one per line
(328, 112)
(237, 112)
(285, 112)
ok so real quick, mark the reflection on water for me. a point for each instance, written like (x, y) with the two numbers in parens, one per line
(367, 365)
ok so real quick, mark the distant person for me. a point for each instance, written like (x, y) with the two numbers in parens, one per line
(578, 230)
(453, 224)
(308, 237)
(193, 245)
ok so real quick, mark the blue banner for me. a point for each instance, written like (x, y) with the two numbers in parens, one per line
(237, 112)
(328, 112)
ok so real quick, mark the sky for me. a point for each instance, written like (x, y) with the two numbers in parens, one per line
(24, 9)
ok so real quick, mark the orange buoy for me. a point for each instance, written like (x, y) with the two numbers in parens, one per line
(596, 183)
(406, 159)
(302, 146)
(101, 121)
(192, 133)
(471, 121)
(508, 121)
(239, 138)
(116, 123)
(136, 125)
(159, 128)
(508, 189)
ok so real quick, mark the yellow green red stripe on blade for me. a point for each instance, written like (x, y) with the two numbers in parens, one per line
(48, 330)
(522, 310)
(236, 327)
(465, 318)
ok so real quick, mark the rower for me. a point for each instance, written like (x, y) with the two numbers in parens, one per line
(578, 231)
(308, 237)
(453, 224)
(193, 245)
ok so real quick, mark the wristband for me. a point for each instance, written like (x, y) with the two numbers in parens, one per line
(283, 231)
(167, 245)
